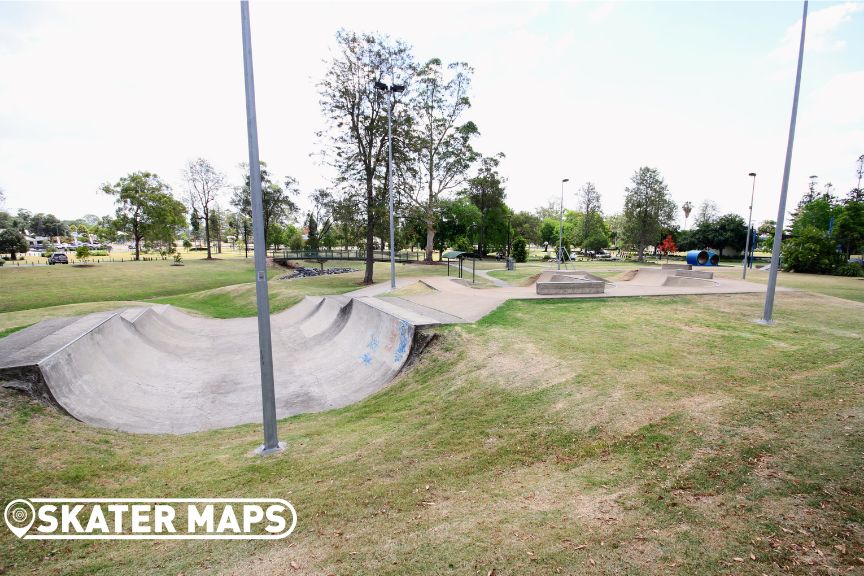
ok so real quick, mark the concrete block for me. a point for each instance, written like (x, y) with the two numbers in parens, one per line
(695, 274)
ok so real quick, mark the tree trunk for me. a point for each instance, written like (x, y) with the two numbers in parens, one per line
(370, 221)
(137, 241)
(641, 257)
(430, 240)
(207, 231)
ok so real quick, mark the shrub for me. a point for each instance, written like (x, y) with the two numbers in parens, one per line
(178, 258)
(853, 269)
(811, 251)
(82, 252)
(463, 245)
(520, 250)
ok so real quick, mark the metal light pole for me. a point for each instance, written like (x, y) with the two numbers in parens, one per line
(749, 227)
(390, 90)
(268, 396)
(781, 210)
(561, 226)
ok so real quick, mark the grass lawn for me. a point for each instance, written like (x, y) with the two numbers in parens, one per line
(667, 435)
(837, 286)
(38, 287)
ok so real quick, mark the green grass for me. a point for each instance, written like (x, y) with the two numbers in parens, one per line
(607, 436)
(38, 287)
(7, 331)
(239, 300)
(837, 286)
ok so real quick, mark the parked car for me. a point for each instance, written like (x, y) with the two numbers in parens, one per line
(58, 258)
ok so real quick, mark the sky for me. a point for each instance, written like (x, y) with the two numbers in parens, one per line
(702, 91)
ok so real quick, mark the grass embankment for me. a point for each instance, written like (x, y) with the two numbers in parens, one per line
(609, 436)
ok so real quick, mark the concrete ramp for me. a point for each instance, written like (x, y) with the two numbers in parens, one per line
(159, 370)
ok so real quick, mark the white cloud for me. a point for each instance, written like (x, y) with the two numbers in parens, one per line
(602, 12)
(822, 27)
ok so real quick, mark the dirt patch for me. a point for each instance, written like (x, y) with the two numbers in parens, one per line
(625, 276)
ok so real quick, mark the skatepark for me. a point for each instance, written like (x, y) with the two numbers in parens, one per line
(159, 370)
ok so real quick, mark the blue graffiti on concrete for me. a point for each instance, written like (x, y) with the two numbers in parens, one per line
(373, 342)
(403, 341)
(366, 359)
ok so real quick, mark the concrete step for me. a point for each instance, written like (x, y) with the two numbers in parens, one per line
(416, 318)
(441, 317)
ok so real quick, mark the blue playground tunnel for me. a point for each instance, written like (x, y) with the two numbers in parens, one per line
(703, 258)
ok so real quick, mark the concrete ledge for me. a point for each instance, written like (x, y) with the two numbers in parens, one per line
(570, 286)
(695, 274)
(676, 267)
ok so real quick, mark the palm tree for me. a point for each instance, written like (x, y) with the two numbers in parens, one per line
(687, 207)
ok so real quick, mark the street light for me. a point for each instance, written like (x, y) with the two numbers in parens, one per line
(268, 395)
(561, 226)
(784, 187)
(390, 90)
(749, 227)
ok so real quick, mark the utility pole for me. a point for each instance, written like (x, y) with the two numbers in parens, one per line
(268, 395)
(781, 210)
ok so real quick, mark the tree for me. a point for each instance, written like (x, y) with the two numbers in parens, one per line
(687, 207)
(486, 191)
(214, 229)
(728, 231)
(549, 232)
(849, 228)
(616, 224)
(520, 250)
(589, 203)
(527, 226)
(312, 234)
(647, 208)
(356, 115)
(277, 201)
(707, 212)
(441, 144)
(12, 242)
(457, 218)
(667, 246)
(204, 184)
(811, 251)
(146, 208)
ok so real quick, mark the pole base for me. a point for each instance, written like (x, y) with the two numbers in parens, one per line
(765, 322)
(262, 451)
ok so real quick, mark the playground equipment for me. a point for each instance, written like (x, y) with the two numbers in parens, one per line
(703, 258)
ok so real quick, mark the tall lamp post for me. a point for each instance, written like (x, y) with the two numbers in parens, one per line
(561, 226)
(390, 90)
(268, 396)
(784, 187)
(749, 228)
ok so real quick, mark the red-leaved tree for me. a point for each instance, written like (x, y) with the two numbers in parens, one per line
(666, 246)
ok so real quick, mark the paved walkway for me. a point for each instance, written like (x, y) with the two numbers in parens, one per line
(454, 298)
